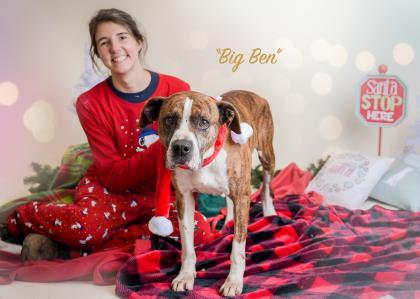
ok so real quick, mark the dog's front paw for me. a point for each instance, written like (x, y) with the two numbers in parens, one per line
(231, 287)
(183, 282)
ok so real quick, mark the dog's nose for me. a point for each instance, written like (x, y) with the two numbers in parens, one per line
(182, 147)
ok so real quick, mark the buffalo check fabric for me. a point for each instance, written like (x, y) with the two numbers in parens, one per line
(307, 251)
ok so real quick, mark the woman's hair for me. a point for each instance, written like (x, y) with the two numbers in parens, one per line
(119, 17)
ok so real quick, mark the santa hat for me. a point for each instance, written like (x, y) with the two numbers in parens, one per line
(246, 132)
(160, 224)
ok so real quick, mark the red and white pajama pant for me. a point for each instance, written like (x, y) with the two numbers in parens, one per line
(98, 219)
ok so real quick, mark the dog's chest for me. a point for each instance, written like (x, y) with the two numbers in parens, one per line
(211, 179)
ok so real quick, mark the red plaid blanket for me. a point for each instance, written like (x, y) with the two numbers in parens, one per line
(307, 251)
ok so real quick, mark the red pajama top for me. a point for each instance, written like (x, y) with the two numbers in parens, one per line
(110, 120)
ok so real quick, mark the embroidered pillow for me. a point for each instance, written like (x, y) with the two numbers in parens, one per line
(348, 178)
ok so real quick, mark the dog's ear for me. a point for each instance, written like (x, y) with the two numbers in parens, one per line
(229, 114)
(150, 111)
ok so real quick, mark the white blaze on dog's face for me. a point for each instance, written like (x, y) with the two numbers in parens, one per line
(183, 147)
(188, 127)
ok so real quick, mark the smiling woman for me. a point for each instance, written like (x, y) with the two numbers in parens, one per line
(117, 41)
(117, 49)
(114, 200)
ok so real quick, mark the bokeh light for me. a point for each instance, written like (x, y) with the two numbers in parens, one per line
(8, 93)
(321, 83)
(403, 53)
(365, 61)
(330, 128)
(40, 120)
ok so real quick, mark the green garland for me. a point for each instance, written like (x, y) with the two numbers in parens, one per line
(257, 174)
(315, 168)
(44, 175)
(41, 181)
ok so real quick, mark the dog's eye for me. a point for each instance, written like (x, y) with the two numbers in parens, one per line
(170, 121)
(203, 124)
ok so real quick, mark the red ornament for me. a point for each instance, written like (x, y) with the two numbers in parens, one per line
(383, 68)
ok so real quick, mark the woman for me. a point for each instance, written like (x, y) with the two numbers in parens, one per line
(118, 188)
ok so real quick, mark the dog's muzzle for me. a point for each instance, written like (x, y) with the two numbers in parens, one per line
(181, 151)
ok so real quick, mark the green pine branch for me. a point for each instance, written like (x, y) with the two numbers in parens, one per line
(257, 177)
(257, 173)
(314, 168)
(42, 179)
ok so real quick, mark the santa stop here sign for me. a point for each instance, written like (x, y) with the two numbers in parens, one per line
(381, 101)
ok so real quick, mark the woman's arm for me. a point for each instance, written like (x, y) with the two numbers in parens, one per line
(115, 172)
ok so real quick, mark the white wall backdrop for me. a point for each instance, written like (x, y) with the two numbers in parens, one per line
(327, 48)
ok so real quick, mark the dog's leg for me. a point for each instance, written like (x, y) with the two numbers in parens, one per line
(234, 282)
(266, 199)
(185, 206)
(229, 209)
(266, 155)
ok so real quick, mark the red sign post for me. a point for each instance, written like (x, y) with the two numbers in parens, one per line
(381, 101)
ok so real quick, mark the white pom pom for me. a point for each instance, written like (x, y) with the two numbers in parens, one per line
(218, 98)
(242, 138)
(161, 226)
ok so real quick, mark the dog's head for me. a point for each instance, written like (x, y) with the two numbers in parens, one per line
(189, 124)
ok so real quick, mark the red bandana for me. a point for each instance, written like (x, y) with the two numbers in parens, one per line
(217, 147)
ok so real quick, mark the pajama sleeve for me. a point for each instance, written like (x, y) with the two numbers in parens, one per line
(115, 172)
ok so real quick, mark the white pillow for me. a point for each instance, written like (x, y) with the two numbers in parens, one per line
(348, 178)
(400, 186)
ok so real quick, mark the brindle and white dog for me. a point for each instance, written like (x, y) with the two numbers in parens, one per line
(189, 123)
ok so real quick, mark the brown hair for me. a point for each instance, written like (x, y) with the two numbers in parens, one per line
(119, 17)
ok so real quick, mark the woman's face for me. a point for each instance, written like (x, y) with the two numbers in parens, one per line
(117, 48)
